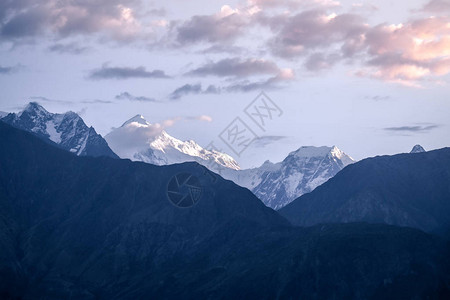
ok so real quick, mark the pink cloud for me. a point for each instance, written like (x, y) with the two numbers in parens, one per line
(410, 52)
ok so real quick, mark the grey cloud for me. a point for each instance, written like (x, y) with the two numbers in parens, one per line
(106, 72)
(266, 140)
(378, 98)
(24, 18)
(413, 129)
(193, 89)
(45, 99)
(248, 86)
(237, 68)
(6, 70)
(297, 35)
(71, 48)
(129, 97)
(160, 12)
(437, 6)
(223, 49)
(93, 101)
(320, 61)
(96, 101)
(294, 4)
(211, 28)
(28, 23)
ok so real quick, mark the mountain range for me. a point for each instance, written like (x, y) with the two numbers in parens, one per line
(67, 130)
(140, 140)
(405, 190)
(102, 228)
(276, 184)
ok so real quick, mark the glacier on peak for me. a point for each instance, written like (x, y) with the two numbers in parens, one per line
(276, 184)
(137, 139)
(68, 130)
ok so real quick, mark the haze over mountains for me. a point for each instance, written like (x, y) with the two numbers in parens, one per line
(102, 228)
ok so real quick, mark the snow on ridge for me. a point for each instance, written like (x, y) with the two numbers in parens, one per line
(152, 144)
(53, 133)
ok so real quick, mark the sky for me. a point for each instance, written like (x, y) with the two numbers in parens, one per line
(371, 77)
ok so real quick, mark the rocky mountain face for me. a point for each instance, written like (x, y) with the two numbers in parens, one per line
(299, 173)
(404, 190)
(140, 140)
(417, 149)
(112, 233)
(67, 130)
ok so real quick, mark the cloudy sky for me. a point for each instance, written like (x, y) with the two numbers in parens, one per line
(370, 77)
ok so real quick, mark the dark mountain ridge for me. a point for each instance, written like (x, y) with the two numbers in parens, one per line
(406, 190)
(102, 228)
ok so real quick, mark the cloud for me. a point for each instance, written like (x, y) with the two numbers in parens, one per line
(106, 72)
(218, 48)
(413, 129)
(6, 70)
(319, 61)
(297, 35)
(115, 18)
(263, 141)
(203, 118)
(401, 53)
(224, 26)
(96, 101)
(70, 48)
(45, 99)
(437, 6)
(129, 139)
(236, 67)
(193, 89)
(378, 98)
(293, 4)
(128, 96)
(268, 84)
(133, 137)
(407, 53)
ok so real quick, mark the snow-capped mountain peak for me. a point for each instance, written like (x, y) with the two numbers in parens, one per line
(68, 130)
(35, 110)
(137, 120)
(277, 184)
(152, 144)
